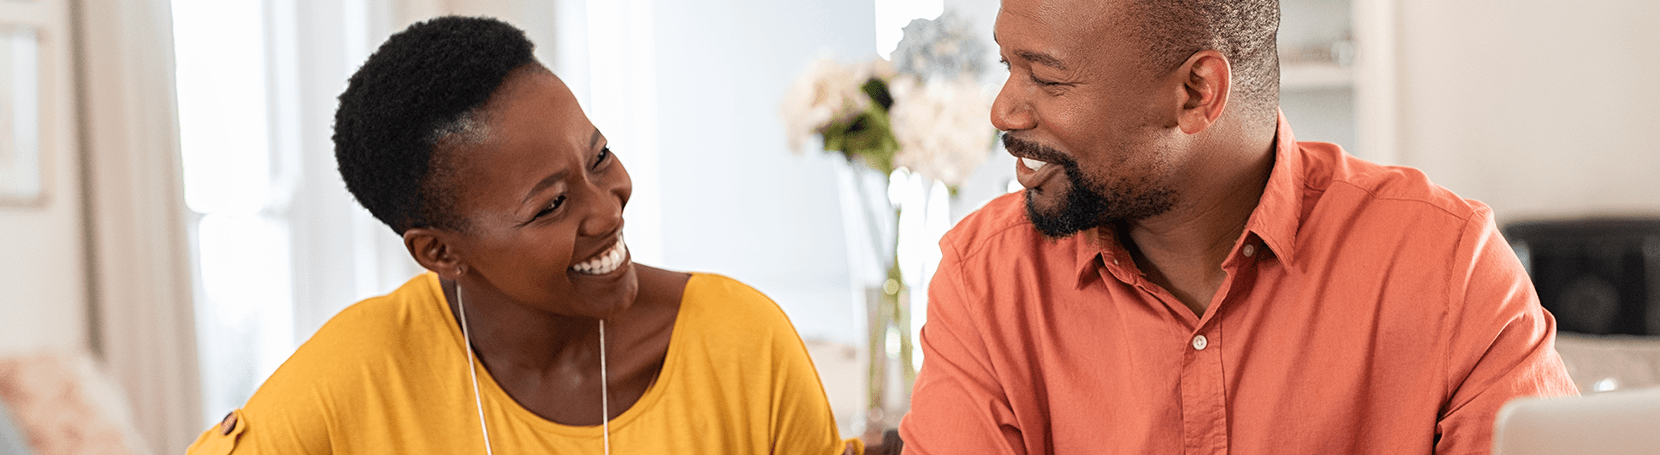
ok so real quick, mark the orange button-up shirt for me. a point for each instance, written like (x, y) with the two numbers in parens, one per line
(1366, 310)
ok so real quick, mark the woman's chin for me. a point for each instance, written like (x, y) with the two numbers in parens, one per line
(608, 295)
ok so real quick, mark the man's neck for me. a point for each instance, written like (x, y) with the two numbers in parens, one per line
(1182, 250)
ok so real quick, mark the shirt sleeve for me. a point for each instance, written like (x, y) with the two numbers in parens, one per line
(1501, 342)
(273, 422)
(802, 420)
(292, 412)
(957, 404)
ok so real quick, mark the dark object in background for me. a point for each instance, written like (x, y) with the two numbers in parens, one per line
(1597, 276)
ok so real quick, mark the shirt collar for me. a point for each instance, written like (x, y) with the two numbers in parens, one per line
(1279, 214)
(1275, 220)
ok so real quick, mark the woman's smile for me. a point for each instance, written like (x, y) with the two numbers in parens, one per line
(606, 262)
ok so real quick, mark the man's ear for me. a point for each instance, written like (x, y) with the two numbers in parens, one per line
(431, 248)
(1206, 81)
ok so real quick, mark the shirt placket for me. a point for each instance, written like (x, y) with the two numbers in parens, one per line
(1204, 402)
(1204, 379)
(1203, 395)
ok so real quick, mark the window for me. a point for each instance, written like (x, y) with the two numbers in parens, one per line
(279, 246)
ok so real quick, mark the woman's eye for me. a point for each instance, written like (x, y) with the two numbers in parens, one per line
(558, 201)
(604, 153)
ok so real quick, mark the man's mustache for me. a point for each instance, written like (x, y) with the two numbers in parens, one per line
(1031, 149)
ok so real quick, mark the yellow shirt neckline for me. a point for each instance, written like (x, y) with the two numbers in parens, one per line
(494, 395)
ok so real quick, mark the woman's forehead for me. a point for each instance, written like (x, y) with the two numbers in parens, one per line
(534, 103)
(535, 130)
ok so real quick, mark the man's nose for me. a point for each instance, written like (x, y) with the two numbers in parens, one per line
(1010, 111)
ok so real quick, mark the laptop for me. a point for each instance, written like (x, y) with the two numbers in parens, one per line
(1611, 423)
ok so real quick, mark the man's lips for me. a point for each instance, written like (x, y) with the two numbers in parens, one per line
(1033, 173)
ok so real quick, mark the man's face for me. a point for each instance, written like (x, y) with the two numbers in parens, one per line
(1091, 126)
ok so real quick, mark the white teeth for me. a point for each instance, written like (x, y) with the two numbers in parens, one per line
(606, 262)
(1032, 164)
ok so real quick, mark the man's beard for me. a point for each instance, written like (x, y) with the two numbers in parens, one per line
(1087, 205)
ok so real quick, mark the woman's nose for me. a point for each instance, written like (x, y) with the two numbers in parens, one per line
(604, 213)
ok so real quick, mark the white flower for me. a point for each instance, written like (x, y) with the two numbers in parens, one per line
(942, 127)
(943, 48)
(876, 68)
(829, 92)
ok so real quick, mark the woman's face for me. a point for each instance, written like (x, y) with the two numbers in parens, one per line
(543, 198)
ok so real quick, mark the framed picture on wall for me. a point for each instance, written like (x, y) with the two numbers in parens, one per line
(20, 152)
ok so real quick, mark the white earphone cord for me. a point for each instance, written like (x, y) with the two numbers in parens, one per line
(604, 392)
(472, 371)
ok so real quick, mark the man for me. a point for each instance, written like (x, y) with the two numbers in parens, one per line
(1182, 276)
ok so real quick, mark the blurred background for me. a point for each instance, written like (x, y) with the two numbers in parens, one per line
(170, 209)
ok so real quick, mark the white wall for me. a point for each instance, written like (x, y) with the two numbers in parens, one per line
(43, 284)
(1540, 108)
(736, 200)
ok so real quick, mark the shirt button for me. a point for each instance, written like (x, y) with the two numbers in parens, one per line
(1115, 261)
(1199, 343)
(1249, 250)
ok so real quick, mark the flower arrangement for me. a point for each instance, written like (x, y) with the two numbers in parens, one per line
(925, 111)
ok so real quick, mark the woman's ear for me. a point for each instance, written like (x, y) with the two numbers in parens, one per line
(1206, 82)
(431, 248)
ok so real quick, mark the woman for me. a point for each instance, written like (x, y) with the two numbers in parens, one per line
(455, 137)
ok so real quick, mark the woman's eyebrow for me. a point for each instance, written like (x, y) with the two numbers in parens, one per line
(544, 183)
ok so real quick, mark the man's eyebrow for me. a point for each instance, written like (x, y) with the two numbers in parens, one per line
(1041, 59)
(594, 139)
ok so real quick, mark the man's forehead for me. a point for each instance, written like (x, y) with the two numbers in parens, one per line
(1064, 29)
(1071, 19)
(1064, 12)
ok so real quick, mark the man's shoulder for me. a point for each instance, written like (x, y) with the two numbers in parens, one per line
(993, 225)
(1373, 186)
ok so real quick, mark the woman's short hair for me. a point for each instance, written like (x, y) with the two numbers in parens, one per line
(422, 86)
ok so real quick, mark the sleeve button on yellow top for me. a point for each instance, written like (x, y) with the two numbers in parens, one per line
(225, 426)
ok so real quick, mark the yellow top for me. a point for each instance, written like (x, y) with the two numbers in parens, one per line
(388, 376)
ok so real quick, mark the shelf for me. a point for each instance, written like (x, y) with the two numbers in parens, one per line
(1309, 76)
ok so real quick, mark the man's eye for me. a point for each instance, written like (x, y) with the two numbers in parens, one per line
(558, 201)
(1043, 82)
(604, 153)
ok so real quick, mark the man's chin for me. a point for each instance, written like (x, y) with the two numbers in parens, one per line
(1054, 219)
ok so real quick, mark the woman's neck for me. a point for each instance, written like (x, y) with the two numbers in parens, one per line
(549, 363)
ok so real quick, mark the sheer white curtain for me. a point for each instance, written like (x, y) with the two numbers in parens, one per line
(278, 244)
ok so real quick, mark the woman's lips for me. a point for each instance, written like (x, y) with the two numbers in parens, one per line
(605, 262)
(1033, 173)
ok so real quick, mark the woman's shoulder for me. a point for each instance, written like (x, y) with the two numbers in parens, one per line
(721, 314)
(715, 298)
(375, 333)
(374, 359)
(414, 309)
